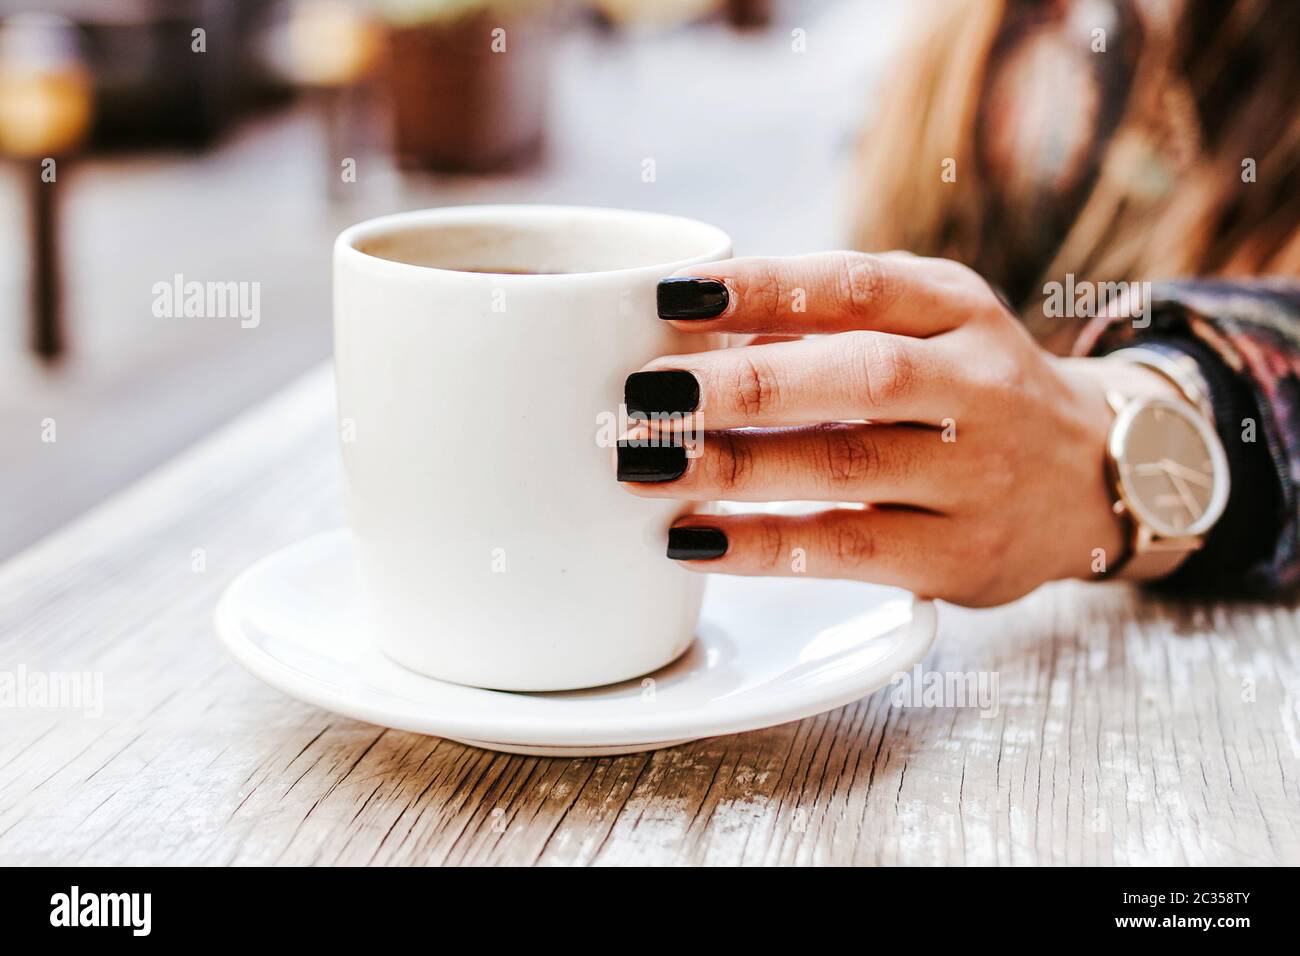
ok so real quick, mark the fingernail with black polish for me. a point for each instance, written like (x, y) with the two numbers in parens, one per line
(696, 544)
(686, 297)
(650, 463)
(666, 392)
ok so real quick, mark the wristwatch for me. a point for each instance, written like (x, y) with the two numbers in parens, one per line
(1167, 468)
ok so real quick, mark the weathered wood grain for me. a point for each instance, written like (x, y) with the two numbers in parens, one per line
(1129, 730)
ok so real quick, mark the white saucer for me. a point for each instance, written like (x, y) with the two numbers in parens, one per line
(767, 651)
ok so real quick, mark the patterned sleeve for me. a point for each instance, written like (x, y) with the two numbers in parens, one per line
(1245, 335)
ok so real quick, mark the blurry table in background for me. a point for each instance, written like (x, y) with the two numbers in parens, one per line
(1127, 730)
(742, 131)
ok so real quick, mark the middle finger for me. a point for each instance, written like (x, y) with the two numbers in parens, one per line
(846, 377)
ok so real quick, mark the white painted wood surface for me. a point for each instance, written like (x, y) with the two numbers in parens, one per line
(1130, 730)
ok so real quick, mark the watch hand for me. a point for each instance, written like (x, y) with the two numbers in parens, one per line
(1190, 474)
(1189, 501)
(1162, 467)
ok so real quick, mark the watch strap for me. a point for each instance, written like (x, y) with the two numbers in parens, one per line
(1152, 564)
(1178, 368)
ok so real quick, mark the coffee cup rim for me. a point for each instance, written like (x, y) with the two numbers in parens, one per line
(716, 242)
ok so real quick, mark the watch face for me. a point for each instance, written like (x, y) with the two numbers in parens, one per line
(1173, 473)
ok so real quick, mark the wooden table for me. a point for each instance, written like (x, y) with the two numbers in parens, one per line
(1129, 730)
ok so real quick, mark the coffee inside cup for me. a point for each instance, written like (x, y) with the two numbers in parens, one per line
(536, 245)
(504, 271)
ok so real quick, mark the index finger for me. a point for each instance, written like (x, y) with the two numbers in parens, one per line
(823, 292)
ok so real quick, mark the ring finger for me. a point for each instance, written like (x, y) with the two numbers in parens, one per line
(881, 464)
(886, 546)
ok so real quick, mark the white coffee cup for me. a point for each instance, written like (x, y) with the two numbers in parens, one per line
(494, 545)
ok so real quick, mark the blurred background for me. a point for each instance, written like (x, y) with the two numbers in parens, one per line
(230, 140)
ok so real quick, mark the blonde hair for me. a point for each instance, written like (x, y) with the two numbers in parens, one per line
(1209, 100)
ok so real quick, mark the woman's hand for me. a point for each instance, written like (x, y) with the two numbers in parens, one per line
(978, 455)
